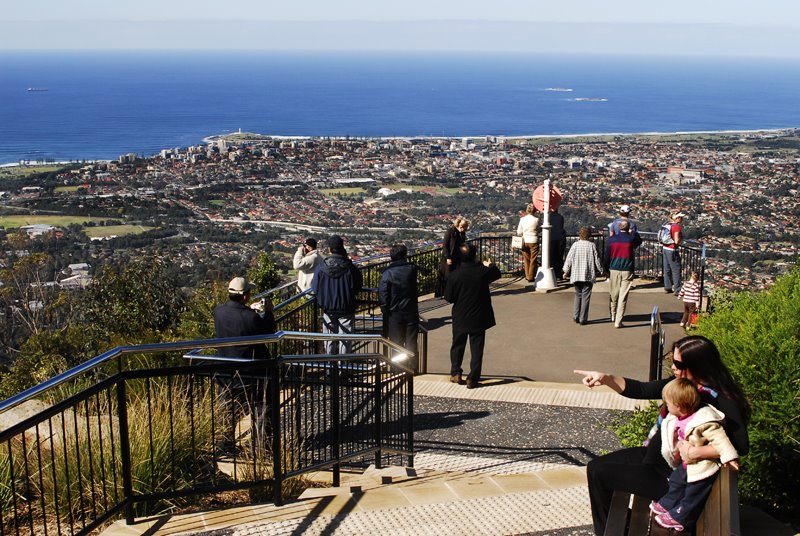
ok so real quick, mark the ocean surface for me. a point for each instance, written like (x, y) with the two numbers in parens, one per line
(99, 105)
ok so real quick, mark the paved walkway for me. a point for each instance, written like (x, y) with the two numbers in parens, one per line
(506, 458)
(536, 338)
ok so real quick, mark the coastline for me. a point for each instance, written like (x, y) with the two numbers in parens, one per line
(215, 137)
(590, 136)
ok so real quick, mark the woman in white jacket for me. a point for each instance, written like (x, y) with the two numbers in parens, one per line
(528, 229)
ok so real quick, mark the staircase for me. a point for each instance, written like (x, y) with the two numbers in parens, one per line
(441, 495)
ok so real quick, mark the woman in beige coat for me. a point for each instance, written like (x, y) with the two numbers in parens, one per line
(528, 229)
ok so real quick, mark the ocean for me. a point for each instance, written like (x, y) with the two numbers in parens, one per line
(99, 105)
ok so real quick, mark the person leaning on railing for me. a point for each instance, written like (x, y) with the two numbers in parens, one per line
(397, 295)
(643, 470)
(528, 229)
(235, 319)
(454, 238)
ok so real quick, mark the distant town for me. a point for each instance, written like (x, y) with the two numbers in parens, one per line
(212, 207)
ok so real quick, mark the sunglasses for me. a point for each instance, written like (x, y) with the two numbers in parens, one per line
(680, 365)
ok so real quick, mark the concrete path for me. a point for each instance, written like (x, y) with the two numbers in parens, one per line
(535, 337)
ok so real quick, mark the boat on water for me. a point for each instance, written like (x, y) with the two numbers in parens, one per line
(37, 89)
(558, 89)
(591, 99)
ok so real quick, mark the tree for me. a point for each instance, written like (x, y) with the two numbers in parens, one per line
(139, 301)
(264, 273)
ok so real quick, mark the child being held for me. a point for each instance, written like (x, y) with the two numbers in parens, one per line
(689, 484)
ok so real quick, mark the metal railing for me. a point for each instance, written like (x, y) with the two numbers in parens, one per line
(160, 422)
(657, 338)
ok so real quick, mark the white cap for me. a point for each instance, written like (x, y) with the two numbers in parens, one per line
(240, 285)
(625, 209)
(679, 215)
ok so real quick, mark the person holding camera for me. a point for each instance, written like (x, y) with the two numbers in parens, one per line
(235, 318)
(306, 259)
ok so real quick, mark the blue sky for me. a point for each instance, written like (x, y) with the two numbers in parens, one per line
(696, 27)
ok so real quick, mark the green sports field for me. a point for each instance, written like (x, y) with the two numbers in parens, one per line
(18, 220)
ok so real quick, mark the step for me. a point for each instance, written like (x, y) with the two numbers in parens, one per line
(427, 499)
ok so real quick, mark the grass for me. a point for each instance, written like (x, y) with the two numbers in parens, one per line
(65, 189)
(73, 477)
(19, 220)
(217, 202)
(354, 190)
(116, 230)
(433, 190)
(15, 172)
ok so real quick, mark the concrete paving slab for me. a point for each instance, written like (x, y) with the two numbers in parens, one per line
(535, 337)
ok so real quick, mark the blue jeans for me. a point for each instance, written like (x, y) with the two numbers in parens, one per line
(338, 324)
(672, 270)
(685, 500)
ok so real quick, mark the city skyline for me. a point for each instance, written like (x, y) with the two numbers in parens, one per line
(733, 28)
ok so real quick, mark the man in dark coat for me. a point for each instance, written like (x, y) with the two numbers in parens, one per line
(397, 295)
(336, 283)
(468, 290)
(235, 319)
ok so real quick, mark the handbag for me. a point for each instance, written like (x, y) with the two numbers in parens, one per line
(516, 242)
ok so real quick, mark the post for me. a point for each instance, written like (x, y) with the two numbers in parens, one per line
(273, 386)
(545, 280)
(656, 345)
(335, 418)
(378, 401)
(125, 451)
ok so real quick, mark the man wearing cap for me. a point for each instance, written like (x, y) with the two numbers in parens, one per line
(336, 282)
(306, 259)
(671, 254)
(619, 264)
(624, 215)
(235, 319)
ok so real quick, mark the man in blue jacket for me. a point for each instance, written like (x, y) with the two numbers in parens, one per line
(336, 283)
(619, 263)
(397, 295)
(468, 290)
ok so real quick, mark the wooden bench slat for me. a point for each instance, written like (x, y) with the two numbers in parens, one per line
(720, 515)
(640, 516)
(618, 514)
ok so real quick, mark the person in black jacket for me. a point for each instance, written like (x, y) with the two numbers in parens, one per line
(336, 283)
(643, 470)
(454, 238)
(235, 319)
(397, 295)
(468, 290)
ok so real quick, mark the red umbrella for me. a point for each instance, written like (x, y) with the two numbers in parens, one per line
(538, 198)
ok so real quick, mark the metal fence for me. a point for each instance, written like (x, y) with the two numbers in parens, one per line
(157, 424)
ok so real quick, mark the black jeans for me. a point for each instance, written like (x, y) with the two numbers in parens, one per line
(477, 340)
(622, 470)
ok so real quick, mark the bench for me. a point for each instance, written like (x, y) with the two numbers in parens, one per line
(720, 515)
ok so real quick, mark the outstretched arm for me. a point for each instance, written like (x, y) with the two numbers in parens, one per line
(594, 378)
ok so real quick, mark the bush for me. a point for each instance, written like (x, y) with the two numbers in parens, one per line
(633, 428)
(758, 335)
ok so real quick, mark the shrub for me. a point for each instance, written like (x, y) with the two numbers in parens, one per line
(633, 428)
(758, 335)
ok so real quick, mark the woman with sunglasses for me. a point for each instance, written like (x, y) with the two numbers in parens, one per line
(642, 470)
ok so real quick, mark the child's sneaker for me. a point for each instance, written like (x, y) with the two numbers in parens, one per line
(666, 521)
(656, 508)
